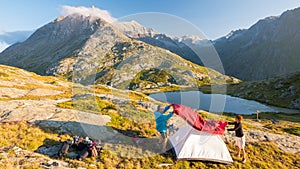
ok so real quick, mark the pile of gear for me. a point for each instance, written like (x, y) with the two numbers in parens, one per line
(86, 147)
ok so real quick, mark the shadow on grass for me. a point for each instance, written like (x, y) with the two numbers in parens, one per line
(274, 116)
(124, 143)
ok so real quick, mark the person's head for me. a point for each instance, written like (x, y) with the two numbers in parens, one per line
(160, 108)
(238, 118)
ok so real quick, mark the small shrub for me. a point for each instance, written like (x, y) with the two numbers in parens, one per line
(2, 74)
(293, 130)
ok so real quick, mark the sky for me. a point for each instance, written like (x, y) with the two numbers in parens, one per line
(215, 18)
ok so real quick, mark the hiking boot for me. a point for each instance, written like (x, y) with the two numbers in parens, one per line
(244, 160)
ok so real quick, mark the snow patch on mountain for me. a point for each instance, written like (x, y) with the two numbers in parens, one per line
(234, 34)
(191, 39)
(134, 29)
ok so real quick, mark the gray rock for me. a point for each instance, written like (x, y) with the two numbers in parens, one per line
(296, 104)
(284, 94)
(248, 92)
(292, 89)
(278, 85)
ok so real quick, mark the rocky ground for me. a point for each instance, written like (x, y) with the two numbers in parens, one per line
(48, 104)
(16, 157)
(287, 143)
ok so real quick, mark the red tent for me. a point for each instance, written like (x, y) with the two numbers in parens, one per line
(197, 122)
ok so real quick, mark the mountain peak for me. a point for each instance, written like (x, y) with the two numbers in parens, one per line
(79, 17)
(64, 37)
(60, 18)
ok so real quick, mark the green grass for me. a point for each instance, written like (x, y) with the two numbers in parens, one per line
(274, 115)
(257, 152)
(288, 123)
(282, 126)
(265, 91)
(151, 77)
(133, 120)
(293, 130)
(129, 118)
(30, 137)
(171, 88)
(24, 135)
(269, 91)
(259, 155)
(2, 74)
(132, 95)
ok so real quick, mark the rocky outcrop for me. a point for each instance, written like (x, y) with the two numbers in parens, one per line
(45, 113)
(296, 104)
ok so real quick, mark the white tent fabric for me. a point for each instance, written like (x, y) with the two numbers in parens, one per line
(191, 144)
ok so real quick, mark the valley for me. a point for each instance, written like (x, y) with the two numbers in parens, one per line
(84, 75)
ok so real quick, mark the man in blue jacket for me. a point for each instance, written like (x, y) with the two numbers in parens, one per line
(161, 124)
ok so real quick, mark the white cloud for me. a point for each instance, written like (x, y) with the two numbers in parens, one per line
(86, 11)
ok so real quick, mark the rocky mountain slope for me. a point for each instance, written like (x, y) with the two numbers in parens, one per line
(267, 49)
(283, 91)
(182, 46)
(88, 49)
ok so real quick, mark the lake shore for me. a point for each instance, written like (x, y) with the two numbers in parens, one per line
(218, 102)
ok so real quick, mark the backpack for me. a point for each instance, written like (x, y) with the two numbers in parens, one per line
(83, 154)
(93, 151)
